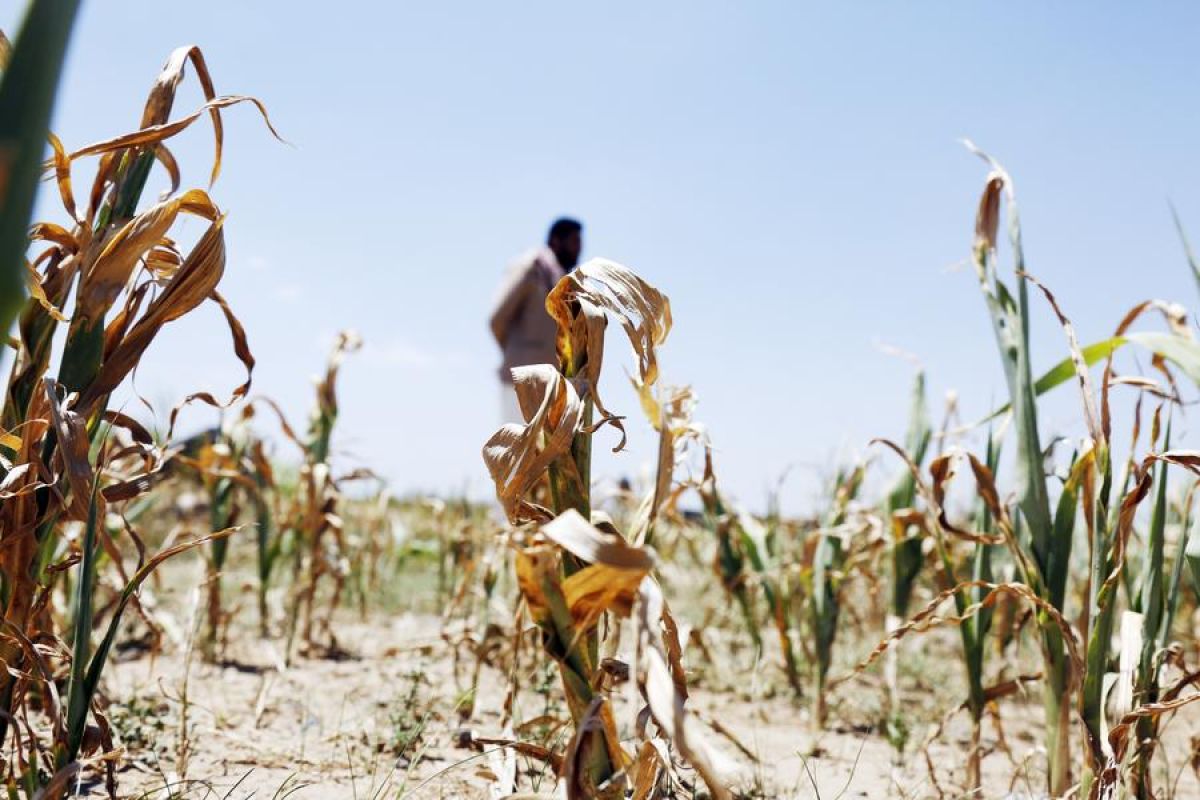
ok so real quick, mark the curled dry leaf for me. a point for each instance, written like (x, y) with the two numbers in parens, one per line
(579, 537)
(347, 342)
(941, 471)
(987, 219)
(672, 418)
(518, 455)
(73, 447)
(1090, 415)
(659, 673)
(162, 97)
(112, 269)
(580, 303)
(927, 618)
(614, 570)
(609, 580)
(1109, 778)
(195, 281)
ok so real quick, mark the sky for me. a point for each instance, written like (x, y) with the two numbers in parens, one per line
(790, 174)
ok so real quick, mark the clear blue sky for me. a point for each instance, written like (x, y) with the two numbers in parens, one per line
(788, 173)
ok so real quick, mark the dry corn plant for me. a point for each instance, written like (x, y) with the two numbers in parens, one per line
(831, 553)
(930, 518)
(575, 569)
(747, 557)
(320, 546)
(1041, 547)
(906, 537)
(368, 522)
(267, 500)
(730, 560)
(67, 461)
(231, 467)
(905, 516)
(475, 616)
(801, 572)
(1037, 534)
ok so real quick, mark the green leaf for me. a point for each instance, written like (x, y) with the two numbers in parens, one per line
(1064, 371)
(27, 90)
(827, 560)
(1059, 554)
(1187, 247)
(906, 551)
(1183, 353)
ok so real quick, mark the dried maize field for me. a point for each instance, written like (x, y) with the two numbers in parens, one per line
(225, 609)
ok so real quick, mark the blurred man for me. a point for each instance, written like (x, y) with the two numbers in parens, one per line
(523, 329)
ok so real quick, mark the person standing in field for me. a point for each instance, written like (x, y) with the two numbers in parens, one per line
(523, 329)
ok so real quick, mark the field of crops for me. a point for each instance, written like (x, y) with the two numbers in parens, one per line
(237, 613)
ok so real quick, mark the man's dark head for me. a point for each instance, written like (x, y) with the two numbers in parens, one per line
(566, 240)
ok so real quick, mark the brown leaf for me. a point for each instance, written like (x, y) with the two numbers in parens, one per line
(598, 588)
(62, 176)
(579, 304)
(987, 219)
(111, 270)
(517, 455)
(1082, 372)
(194, 282)
(73, 447)
(667, 705)
(577, 536)
(597, 721)
(152, 135)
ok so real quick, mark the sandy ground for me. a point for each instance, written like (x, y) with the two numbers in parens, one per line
(380, 722)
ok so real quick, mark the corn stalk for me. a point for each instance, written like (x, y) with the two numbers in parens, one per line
(906, 556)
(320, 546)
(66, 458)
(906, 537)
(745, 553)
(572, 574)
(1044, 537)
(827, 576)
(968, 594)
(1155, 602)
